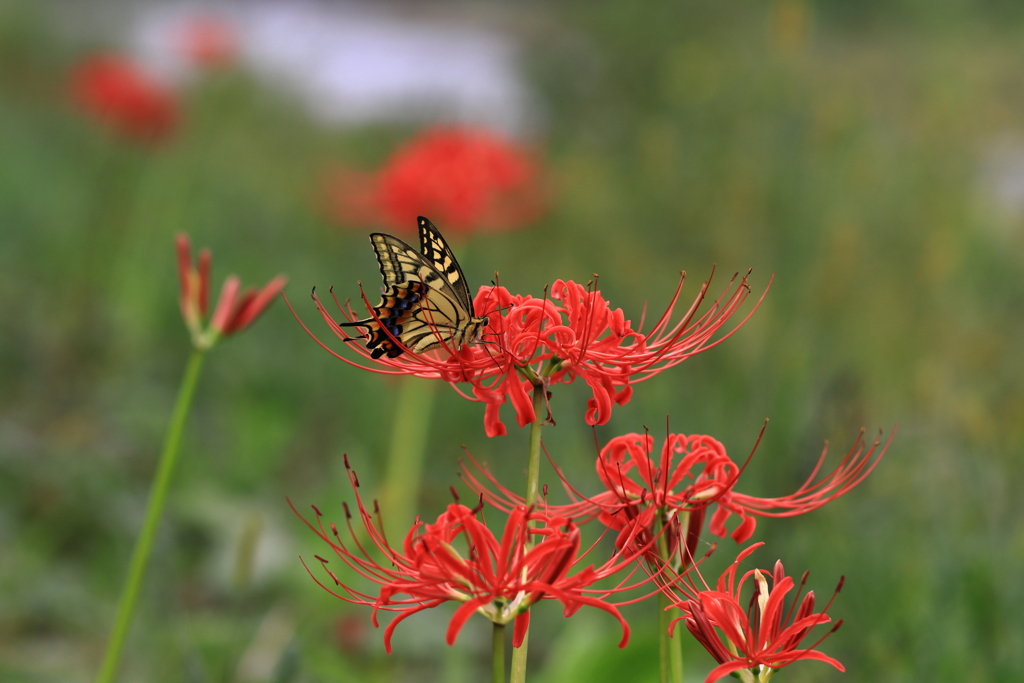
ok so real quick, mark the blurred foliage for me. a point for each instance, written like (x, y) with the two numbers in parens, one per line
(844, 146)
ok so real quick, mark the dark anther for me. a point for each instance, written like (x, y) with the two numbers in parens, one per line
(479, 505)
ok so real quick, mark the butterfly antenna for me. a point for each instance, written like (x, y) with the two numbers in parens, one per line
(500, 309)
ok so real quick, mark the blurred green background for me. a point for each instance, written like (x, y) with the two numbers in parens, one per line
(869, 154)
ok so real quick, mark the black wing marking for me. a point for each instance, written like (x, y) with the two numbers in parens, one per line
(440, 255)
(399, 262)
(391, 313)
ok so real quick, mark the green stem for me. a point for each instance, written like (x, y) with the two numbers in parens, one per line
(154, 511)
(405, 456)
(533, 465)
(498, 648)
(663, 639)
(671, 649)
(532, 486)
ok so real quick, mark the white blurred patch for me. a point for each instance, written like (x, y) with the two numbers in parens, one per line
(250, 544)
(1001, 181)
(354, 64)
(263, 654)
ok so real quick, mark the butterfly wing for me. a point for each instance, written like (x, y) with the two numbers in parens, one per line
(440, 255)
(425, 303)
(437, 321)
(400, 263)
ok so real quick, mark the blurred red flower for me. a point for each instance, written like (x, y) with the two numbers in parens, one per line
(233, 312)
(116, 92)
(459, 559)
(350, 634)
(208, 41)
(530, 342)
(466, 179)
(757, 633)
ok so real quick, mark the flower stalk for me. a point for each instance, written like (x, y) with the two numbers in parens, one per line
(498, 649)
(532, 487)
(405, 458)
(234, 312)
(533, 464)
(671, 649)
(154, 511)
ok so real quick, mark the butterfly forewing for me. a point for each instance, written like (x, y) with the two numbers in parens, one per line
(440, 255)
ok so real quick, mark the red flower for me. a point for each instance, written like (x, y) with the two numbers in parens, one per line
(692, 473)
(233, 312)
(532, 342)
(464, 178)
(457, 558)
(120, 95)
(759, 639)
(208, 41)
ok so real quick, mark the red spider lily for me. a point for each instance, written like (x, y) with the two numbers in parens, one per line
(530, 343)
(208, 41)
(119, 94)
(464, 178)
(233, 312)
(497, 578)
(692, 473)
(765, 636)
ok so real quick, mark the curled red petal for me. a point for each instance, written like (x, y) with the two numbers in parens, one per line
(521, 399)
(520, 628)
(745, 529)
(461, 616)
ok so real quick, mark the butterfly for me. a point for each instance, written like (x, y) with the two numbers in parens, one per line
(425, 304)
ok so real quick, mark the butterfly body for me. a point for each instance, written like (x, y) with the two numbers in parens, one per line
(425, 304)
